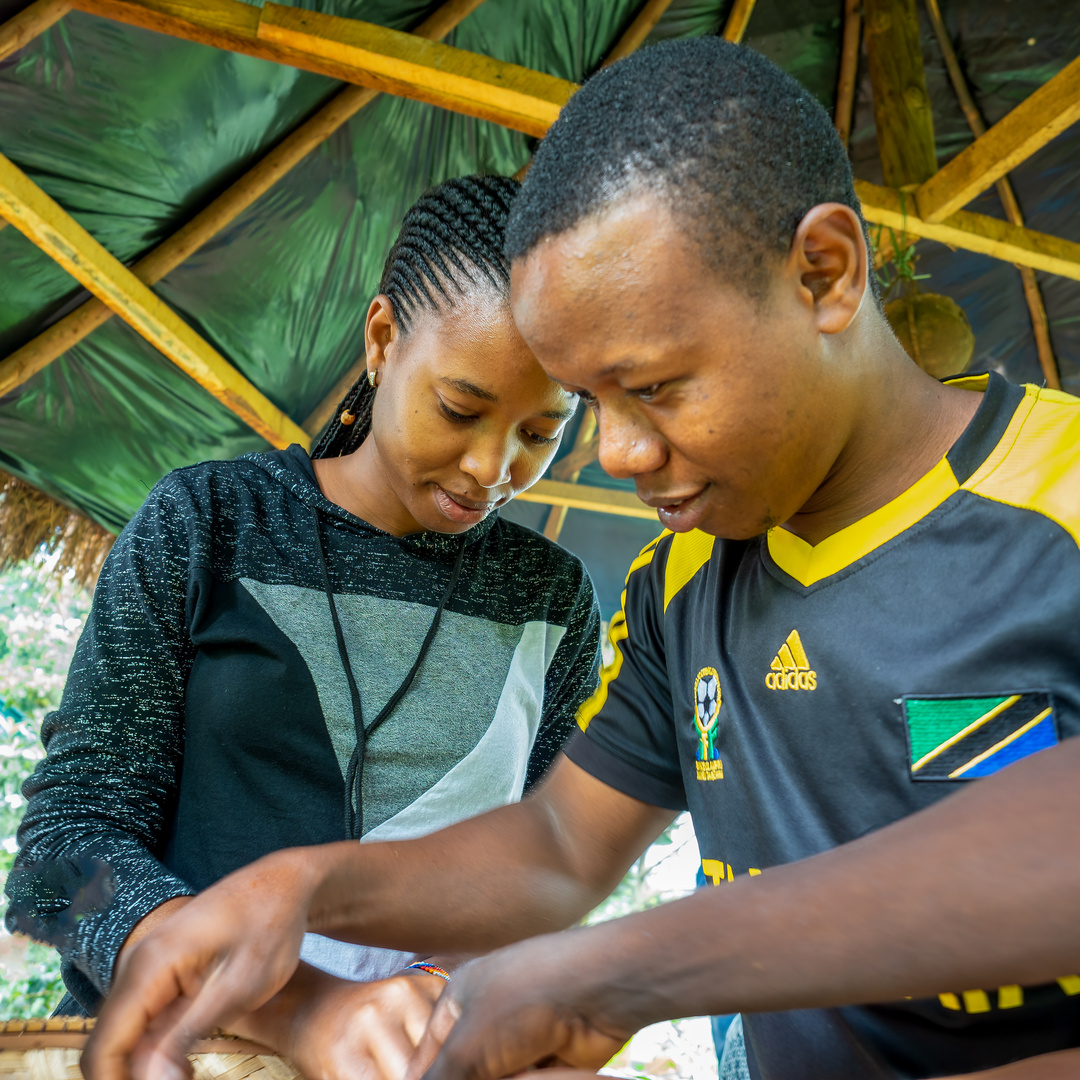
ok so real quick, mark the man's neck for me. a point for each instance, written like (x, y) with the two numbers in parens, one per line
(904, 429)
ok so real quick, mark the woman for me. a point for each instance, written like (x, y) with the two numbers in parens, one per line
(286, 651)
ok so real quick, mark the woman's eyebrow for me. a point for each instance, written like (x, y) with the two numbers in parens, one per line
(559, 414)
(465, 387)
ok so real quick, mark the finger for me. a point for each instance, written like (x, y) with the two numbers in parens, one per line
(435, 1034)
(144, 989)
(416, 1013)
(390, 1049)
(232, 989)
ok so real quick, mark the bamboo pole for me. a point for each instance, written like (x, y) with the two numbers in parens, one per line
(21, 29)
(737, 20)
(638, 30)
(849, 68)
(1039, 323)
(43, 221)
(38, 353)
(582, 453)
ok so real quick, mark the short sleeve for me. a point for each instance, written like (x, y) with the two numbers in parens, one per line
(627, 737)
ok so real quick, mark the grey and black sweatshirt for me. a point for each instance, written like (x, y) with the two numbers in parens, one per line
(207, 718)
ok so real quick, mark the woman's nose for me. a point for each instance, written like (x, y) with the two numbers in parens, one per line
(488, 462)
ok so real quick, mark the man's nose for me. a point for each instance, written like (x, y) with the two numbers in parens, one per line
(629, 447)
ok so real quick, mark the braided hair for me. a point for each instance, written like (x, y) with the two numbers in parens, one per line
(450, 243)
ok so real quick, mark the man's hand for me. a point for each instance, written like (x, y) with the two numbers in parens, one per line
(337, 1030)
(216, 959)
(511, 1011)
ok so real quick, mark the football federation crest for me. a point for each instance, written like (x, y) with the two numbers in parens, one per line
(707, 701)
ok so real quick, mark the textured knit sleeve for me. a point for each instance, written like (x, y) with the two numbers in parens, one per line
(100, 803)
(572, 677)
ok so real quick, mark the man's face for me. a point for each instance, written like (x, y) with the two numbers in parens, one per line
(717, 405)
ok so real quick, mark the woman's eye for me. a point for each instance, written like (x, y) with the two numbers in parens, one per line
(454, 417)
(540, 440)
(590, 401)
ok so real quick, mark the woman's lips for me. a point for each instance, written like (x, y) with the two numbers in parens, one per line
(461, 510)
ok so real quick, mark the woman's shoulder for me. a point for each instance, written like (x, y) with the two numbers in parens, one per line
(542, 560)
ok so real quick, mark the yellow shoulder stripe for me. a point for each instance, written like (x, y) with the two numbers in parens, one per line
(617, 631)
(688, 553)
(1036, 465)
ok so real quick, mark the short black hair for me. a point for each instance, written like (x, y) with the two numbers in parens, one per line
(451, 243)
(732, 144)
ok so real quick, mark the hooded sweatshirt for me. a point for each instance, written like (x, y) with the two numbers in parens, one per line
(208, 719)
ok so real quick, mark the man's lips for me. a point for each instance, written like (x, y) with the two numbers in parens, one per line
(669, 502)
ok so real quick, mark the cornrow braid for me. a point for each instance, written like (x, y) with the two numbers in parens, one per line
(450, 243)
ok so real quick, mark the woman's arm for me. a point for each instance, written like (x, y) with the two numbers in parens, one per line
(99, 804)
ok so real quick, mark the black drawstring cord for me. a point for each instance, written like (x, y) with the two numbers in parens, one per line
(354, 776)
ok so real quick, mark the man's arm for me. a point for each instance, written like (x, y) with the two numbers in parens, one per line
(977, 891)
(529, 868)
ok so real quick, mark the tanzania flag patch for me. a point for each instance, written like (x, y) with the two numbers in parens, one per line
(962, 738)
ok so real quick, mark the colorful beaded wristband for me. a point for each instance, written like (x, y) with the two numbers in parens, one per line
(431, 969)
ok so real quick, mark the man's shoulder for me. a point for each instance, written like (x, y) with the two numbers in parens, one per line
(1036, 464)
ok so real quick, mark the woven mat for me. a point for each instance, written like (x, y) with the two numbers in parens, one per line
(50, 1050)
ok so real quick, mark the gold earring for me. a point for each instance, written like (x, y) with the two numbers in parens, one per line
(372, 376)
(347, 418)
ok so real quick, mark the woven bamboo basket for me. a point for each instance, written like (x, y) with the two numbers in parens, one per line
(50, 1050)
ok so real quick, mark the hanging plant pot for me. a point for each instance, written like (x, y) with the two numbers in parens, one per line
(934, 331)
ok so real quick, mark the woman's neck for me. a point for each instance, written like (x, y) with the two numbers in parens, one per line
(359, 483)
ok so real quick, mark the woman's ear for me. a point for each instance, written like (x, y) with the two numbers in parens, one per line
(830, 262)
(380, 331)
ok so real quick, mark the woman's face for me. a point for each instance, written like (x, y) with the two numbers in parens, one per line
(464, 416)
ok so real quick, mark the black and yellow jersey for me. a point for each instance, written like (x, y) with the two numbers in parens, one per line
(796, 697)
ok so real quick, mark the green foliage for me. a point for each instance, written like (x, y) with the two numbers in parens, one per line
(35, 991)
(41, 617)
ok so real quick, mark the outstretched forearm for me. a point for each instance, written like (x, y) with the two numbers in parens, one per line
(977, 891)
(530, 868)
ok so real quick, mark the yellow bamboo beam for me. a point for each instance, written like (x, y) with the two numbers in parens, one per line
(638, 30)
(1031, 125)
(21, 29)
(905, 127)
(53, 230)
(737, 20)
(580, 497)
(403, 64)
(849, 68)
(67, 332)
(1040, 325)
(972, 232)
(582, 453)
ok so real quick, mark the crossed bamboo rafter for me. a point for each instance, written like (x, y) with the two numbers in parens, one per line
(372, 59)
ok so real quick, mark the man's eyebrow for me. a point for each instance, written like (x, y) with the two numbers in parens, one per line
(466, 387)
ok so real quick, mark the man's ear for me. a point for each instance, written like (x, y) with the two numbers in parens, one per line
(380, 331)
(828, 256)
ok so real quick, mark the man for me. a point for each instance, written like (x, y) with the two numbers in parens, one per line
(867, 602)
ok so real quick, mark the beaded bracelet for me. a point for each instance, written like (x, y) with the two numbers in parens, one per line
(431, 969)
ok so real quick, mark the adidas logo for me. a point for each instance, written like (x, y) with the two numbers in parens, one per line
(791, 668)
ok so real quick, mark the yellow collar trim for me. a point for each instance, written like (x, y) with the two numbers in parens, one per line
(808, 565)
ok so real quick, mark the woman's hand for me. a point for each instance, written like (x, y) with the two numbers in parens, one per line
(332, 1029)
(215, 960)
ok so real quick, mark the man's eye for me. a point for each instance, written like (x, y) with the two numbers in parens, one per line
(454, 417)
(647, 393)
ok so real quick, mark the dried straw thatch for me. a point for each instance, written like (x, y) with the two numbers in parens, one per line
(30, 520)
